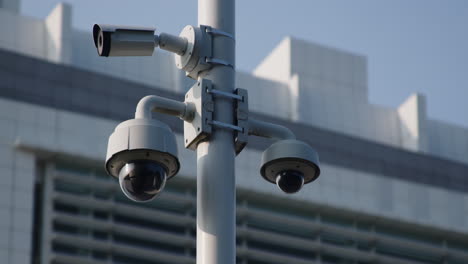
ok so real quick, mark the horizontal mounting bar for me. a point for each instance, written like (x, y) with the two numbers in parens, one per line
(225, 94)
(224, 125)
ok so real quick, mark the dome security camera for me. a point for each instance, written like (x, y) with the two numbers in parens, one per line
(142, 154)
(290, 164)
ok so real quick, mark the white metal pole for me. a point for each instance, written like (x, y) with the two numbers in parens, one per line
(216, 195)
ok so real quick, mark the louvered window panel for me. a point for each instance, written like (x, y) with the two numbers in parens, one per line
(86, 219)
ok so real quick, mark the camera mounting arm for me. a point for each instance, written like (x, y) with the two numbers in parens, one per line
(154, 103)
(269, 130)
(168, 42)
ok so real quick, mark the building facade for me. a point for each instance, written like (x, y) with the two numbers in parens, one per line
(393, 187)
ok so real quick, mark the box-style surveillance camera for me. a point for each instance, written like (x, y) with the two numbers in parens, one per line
(111, 40)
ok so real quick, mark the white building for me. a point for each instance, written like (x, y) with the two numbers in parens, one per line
(393, 188)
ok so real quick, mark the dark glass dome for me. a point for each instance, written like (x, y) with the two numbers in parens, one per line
(142, 180)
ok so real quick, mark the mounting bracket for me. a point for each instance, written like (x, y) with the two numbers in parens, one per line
(242, 120)
(199, 128)
(198, 55)
(201, 98)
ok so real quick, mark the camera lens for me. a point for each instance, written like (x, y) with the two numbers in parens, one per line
(104, 43)
(142, 180)
(290, 181)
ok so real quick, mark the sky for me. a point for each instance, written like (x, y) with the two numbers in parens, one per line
(411, 46)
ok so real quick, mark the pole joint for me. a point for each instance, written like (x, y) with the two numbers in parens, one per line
(194, 48)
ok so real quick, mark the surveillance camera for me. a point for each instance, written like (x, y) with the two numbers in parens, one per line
(123, 40)
(142, 154)
(290, 164)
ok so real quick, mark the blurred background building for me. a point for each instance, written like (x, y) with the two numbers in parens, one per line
(393, 188)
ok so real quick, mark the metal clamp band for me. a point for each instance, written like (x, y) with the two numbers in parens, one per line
(219, 62)
(218, 32)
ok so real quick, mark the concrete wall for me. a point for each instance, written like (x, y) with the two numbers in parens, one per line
(58, 34)
(17, 171)
(266, 96)
(22, 34)
(328, 89)
(448, 141)
(11, 5)
(413, 123)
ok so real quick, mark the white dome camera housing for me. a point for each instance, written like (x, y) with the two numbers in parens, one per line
(290, 164)
(142, 154)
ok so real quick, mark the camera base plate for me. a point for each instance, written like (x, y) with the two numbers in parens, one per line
(199, 128)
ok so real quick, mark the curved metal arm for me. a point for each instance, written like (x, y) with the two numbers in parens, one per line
(153, 103)
(269, 130)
